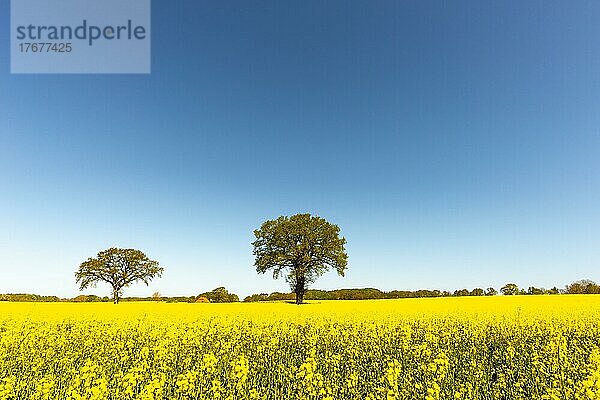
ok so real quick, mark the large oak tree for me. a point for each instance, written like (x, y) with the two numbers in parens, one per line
(119, 268)
(301, 247)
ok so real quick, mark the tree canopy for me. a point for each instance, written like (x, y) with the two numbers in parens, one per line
(510, 289)
(119, 268)
(583, 286)
(301, 248)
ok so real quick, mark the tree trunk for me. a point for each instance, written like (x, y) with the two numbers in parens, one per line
(115, 296)
(300, 289)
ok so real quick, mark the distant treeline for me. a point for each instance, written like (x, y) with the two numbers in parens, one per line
(368, 294)
(579, 287)
(28, 297)
(218, 295)
(221, 295)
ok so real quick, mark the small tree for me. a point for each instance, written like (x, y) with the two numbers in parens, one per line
(156, 296)
(490, 291)
(119, 268)
(510, 289)
(477, 292)
(535, 291)
(303, 247)
(554, 290)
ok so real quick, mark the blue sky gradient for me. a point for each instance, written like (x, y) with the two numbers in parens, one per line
(456, 144)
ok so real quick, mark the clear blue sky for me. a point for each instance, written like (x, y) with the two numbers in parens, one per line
(456, 144)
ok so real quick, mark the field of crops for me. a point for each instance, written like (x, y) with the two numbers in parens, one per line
(522, 347)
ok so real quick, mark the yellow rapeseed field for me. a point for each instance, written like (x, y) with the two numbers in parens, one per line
(522, 347)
